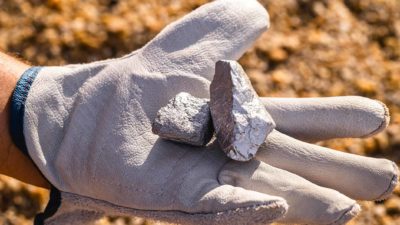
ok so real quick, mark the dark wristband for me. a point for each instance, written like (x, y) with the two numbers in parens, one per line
(18, 100)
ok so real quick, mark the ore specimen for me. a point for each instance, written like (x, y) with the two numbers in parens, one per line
(185, 119)
(240, 120)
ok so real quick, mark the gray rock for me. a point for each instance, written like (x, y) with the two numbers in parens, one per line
(240, 120)
(185, 119)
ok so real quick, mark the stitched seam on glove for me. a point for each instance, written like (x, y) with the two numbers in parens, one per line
(384, 123)
(347, 215)
(392, 184)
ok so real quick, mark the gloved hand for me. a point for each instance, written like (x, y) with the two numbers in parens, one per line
(88, 129)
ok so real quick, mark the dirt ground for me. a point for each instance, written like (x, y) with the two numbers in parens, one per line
(314, 48)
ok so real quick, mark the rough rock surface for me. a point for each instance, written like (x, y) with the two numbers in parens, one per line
(185, 119)
(240, 120)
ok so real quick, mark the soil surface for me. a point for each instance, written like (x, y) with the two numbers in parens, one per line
(314, 48)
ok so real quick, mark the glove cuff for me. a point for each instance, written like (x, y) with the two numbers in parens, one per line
(18, 100)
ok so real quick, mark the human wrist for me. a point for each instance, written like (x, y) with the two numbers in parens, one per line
(10, 71)
(12, 161)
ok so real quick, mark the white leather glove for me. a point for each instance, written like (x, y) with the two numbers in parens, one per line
(88, 129)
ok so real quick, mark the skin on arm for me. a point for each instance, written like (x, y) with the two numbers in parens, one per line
(13, 162)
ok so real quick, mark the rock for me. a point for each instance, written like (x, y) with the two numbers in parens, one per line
(185, 119)
(240, 120)
(115, 24)
(393, 205)
(278, 55)
(366, 86)
(281, 77)
(379, 210)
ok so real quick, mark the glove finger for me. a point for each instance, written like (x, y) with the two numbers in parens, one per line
(358, 177)
(222, 29)
(308, 202)
(316, 119)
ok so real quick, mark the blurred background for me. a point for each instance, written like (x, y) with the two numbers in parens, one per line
(314, 48)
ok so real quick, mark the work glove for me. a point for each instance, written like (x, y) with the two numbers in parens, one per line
(88, 129)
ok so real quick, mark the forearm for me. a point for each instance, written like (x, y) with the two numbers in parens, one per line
(12, 162)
